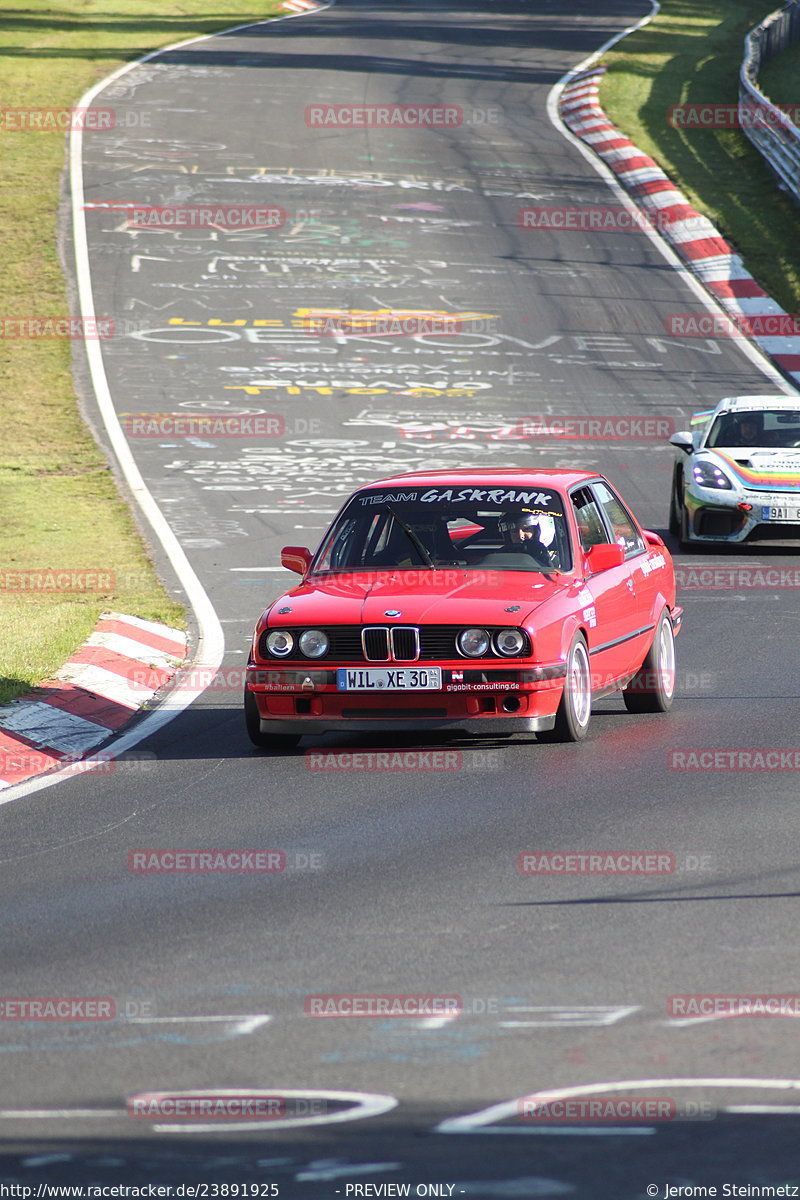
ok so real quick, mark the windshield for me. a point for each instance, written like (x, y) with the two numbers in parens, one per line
(772, 429)
(506, 529)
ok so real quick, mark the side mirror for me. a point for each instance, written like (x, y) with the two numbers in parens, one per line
(683, 441)
(653, 539)
(296, 558)
(603, 556)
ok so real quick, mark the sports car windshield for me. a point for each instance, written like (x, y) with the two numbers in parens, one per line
(475, 528)
(770, 429)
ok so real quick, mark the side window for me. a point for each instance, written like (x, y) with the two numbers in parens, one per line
(590, 523)
(624, 531)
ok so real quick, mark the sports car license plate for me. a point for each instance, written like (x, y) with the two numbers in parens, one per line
(775, 513)
(389, 679)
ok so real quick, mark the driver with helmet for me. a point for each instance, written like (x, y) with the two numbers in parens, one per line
(531, 532)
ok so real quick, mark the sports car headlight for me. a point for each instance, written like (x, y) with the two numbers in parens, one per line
(314, 643)
(509, 642)
(280, 643)
(474, 642)
(706, 474)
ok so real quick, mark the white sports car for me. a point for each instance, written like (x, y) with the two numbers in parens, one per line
(737, 478)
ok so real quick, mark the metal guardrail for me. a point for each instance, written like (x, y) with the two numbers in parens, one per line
(770, 128)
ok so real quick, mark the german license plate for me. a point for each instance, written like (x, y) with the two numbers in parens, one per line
(779, 513)
(389, 679)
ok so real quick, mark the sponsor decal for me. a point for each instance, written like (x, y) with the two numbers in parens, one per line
(476, 495)
(774, 479)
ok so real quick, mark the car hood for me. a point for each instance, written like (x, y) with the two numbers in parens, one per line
(760, 469)
(445, 597)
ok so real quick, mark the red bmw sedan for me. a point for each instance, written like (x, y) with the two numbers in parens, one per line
(489, 601)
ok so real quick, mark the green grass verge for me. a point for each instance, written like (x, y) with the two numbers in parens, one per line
(691, 53)
(61, 506)
(780, 78)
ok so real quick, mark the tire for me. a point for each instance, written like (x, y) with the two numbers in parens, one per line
(264, 741)
(652, 688)
(675, 505)
(575, 709)
(683, 533)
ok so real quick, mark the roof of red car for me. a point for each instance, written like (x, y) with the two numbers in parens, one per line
(488, 476)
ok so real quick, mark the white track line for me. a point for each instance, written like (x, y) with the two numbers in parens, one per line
(211, 639)
(747, 347)
(481, 1121)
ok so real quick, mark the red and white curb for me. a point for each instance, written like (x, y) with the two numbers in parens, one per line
(299, 6)
(698, 243)
(114, 673)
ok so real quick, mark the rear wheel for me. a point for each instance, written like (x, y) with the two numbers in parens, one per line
(652, 688)
(575, 709)
(264, 741)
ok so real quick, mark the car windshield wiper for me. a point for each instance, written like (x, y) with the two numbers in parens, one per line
(426, 558)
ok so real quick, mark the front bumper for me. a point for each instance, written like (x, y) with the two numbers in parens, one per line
(715, 517)
(483, 725)
(502, 701)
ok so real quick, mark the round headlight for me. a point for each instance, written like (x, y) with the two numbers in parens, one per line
(313, 643)
(280, 643)
(473, 642)
(509, 642)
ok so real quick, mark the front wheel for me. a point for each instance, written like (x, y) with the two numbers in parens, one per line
(683, 534)
(652, 688)
(575, 709)
(264, 741)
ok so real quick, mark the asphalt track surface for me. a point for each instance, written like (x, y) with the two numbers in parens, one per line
(410, 881)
